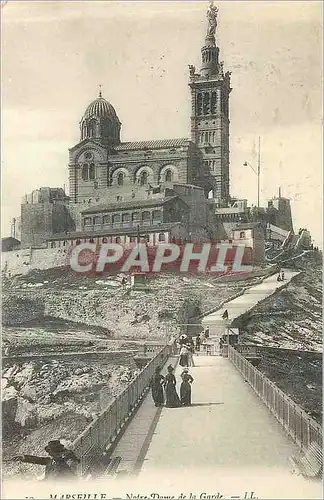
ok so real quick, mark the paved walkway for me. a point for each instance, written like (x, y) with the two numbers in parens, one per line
(245, 302)
(226, 442)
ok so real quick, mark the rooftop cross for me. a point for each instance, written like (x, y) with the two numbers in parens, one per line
(100, 93)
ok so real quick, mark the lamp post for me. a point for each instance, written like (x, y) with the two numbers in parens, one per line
(257, 172)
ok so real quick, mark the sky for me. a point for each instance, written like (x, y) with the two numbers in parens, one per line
(56, 54)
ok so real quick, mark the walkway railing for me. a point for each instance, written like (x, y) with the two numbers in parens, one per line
(302, 428)
(102, 432)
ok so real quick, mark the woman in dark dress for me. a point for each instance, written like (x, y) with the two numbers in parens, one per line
(172, 398)
(157, 387)
(185, 388)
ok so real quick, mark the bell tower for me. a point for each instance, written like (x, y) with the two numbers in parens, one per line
(210, 89)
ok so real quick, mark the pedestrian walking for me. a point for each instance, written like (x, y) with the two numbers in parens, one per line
(185, 388)
(157, 387)
(198, 342)
(184, 356)
(282, 276)
(172, 398)
(60, 463)
(225, 315)
(191, 349)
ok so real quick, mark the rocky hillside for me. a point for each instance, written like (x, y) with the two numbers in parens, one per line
(44, 400)
(124, 313)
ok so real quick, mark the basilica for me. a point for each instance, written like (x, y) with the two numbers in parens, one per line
(169, 190)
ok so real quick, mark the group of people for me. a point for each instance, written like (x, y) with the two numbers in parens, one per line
(164, 388)
(188, 347)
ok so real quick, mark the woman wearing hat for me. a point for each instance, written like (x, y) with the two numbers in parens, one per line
(172, 398)
(185, 388)
(157, 387)
(59, 464)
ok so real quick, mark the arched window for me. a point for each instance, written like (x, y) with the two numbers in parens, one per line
(53, 244)
(161, 237)
(104, 240)
(97, 221)
(91, 240)
(118, 239)
(242, 234)
(168, 176)
(85, 172)
(92, 128)
(143, 178)
(106, 219)
(135, 216)
(120, 179)
(87, 221)
(92, 172)
(78, 242)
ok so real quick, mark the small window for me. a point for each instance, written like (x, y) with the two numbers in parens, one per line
(156, 215)
(104, 240)
(161, 237)
(97, 220)
(92, 172)
(87, 221)
(132, 239)
(126, 217)
(242, 234)
(91, 240)
(78, 242)
(64, 243)
(135, 216)
(168, 176)
(143, 178)
(118, 239)
(119, 198)
(146, 216)
(106, 219)
(53, 244)
(116, 218)
(95, 186)
(85, 172)
(120, 179)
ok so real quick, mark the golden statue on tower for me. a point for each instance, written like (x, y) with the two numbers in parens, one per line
(212, 19)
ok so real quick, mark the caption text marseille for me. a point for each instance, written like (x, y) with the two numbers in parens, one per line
(87, 256)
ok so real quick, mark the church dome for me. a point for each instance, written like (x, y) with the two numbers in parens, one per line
(100, 108)
(101, 122)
